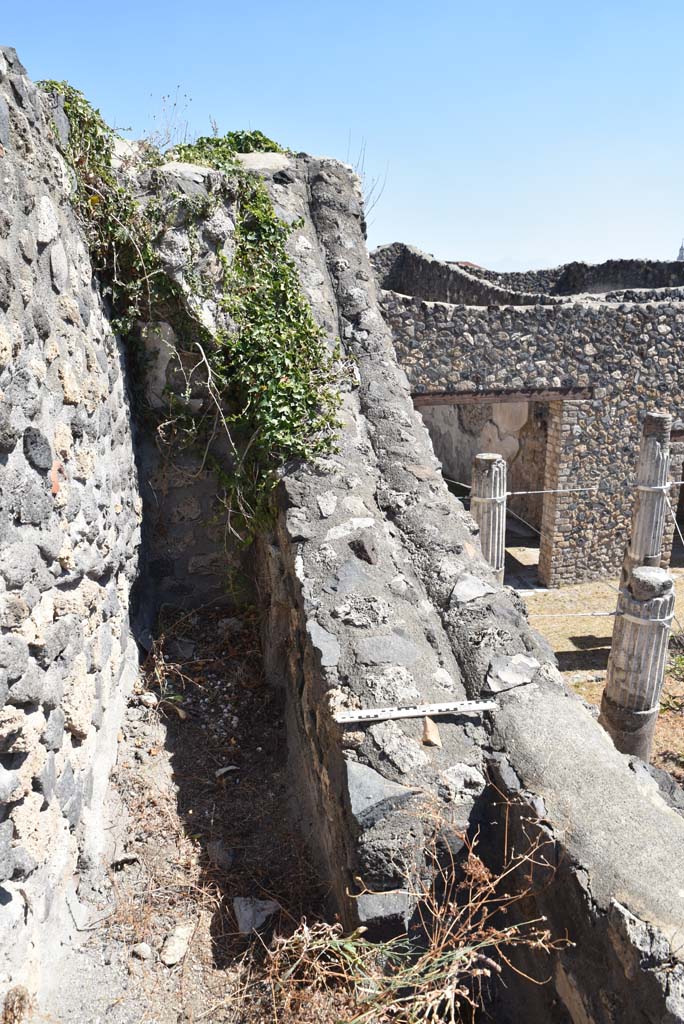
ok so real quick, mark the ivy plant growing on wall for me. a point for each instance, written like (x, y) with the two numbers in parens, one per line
(274, 362)
(276, 382)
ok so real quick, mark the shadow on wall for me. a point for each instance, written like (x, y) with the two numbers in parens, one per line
(515, 430)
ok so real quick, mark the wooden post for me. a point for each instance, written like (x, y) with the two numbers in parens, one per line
(638, 657)
(488, 507)
(650, 505)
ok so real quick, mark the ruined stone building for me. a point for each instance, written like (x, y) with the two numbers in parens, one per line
(552, 369)
(372, 584)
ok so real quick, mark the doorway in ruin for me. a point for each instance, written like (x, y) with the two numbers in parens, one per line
(461, 426)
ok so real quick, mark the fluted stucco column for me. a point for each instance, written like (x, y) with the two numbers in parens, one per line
(638, 656)
(650, 504)
(488, 507)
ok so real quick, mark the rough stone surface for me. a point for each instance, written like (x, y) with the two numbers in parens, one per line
(176, 944)
(363, 581)
(69, 538)
(412, 549)
(251, 914)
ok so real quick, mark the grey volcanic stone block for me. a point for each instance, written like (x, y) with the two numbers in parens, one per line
(6, 854)
(50, 541)
(24, 863)
(47, 780)
(35, 503)
(371, 795)
(37, 449)
(41, 320)
(59, 267)
(503, 774)
(57, 636)
(9, 784)
(506, 673)
(53, 734)
(387, 649)
(61, 122)
(5, 284)
(29, 689)
(4, 122)
(325, 643)
(8, 435)
(13, 656)
(12, 58)
(385, 912)
(69, 795)
(470, 588)
(46, 223)
(351, 576)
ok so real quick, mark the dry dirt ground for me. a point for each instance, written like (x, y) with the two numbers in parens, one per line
(199, 815)
(577, 621)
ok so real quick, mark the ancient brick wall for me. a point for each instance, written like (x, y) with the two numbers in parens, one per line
(618, 274)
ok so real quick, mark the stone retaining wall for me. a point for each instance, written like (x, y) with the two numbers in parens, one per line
(192, 557)
(531, 281)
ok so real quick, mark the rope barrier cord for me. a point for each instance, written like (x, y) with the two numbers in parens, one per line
(626, 485)
(646, 622)
(572, 615)
(510, 512)
(674, 517)
(565, 490)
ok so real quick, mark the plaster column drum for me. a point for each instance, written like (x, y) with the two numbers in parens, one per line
(488, 506)
(636, 667)
(648, 516)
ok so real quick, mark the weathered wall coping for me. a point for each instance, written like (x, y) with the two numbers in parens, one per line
(557, 754)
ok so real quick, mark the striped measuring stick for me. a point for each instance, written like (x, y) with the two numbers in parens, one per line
(456, 707)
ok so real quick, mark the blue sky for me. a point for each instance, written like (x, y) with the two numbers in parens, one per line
(511, 134)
